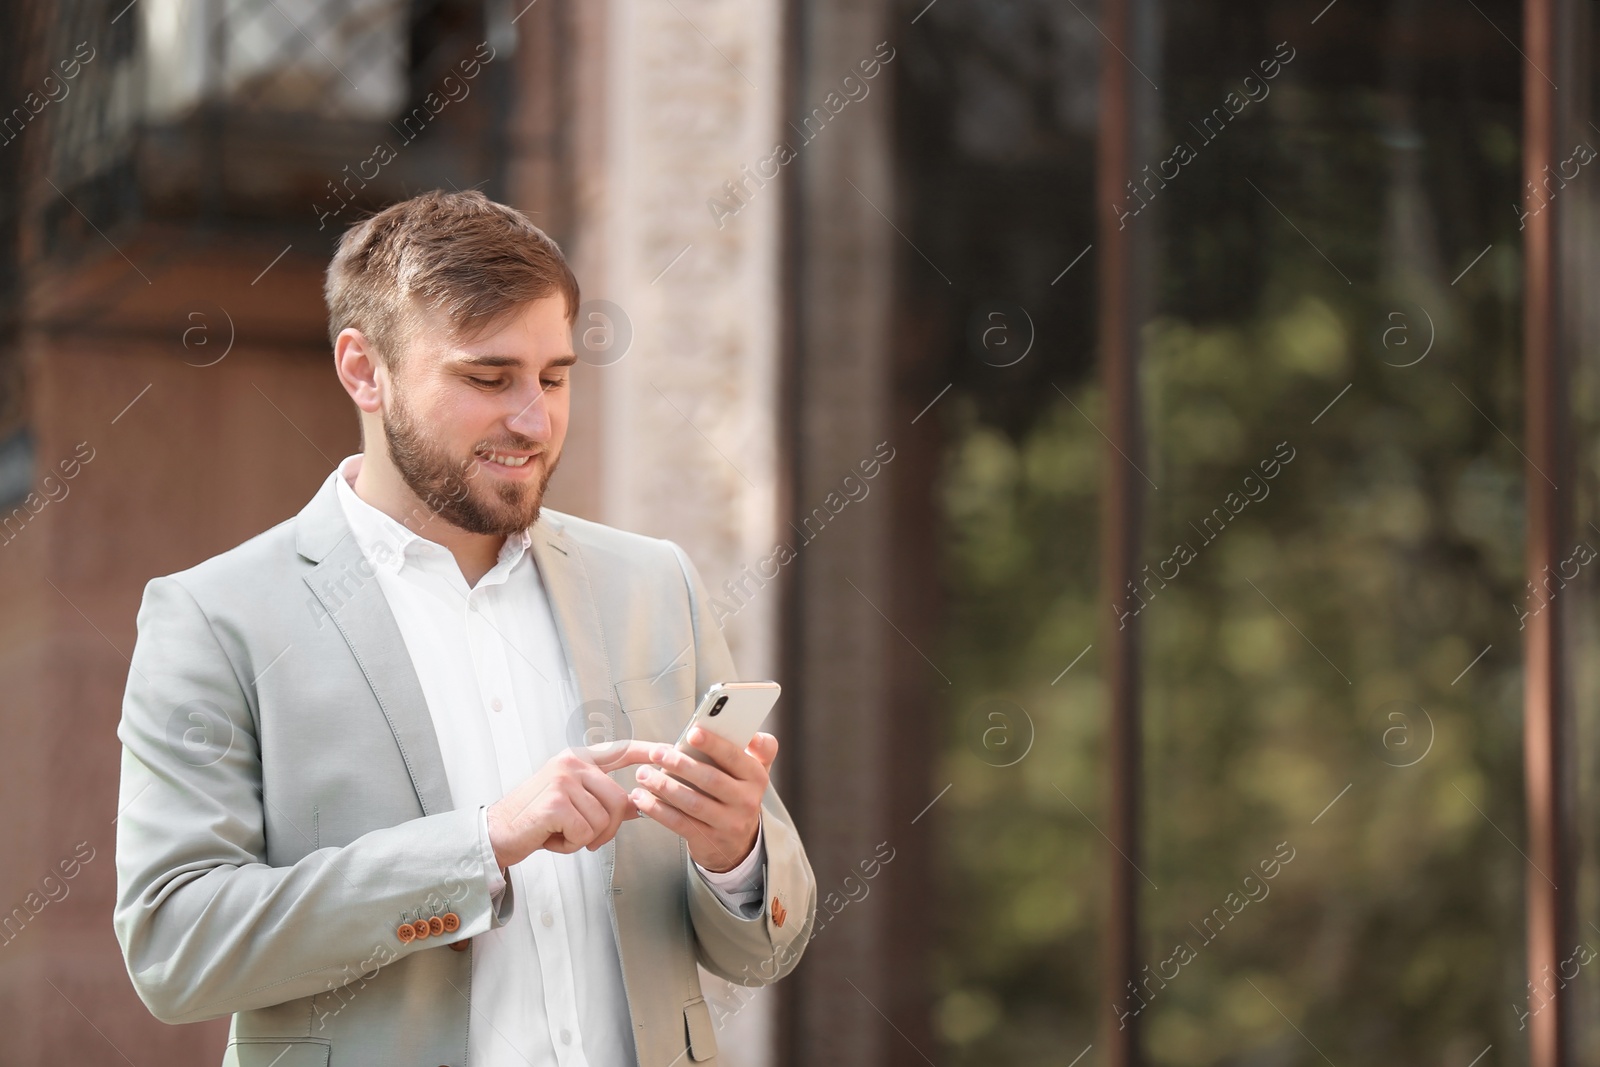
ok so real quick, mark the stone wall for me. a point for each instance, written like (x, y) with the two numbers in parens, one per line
(670, 101)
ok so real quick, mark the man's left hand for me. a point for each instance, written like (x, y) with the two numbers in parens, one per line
(720, 815)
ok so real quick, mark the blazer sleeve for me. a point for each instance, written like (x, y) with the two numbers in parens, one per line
(207, 926)
(766, 946)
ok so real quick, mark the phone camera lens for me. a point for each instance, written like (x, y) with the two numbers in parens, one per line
(717, 707)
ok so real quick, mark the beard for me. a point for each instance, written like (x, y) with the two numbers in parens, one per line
(444, 483)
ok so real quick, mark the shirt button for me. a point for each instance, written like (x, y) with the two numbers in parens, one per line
(547, 919)
(495, 704)
(566, 1037)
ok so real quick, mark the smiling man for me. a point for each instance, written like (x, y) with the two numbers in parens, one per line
(384, 765)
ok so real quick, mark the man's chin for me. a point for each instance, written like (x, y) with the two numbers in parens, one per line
(496, 515)
(503, 506)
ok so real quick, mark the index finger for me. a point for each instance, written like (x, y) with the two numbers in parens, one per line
(615, 755)
(729, 757)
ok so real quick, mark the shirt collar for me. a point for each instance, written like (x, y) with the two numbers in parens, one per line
(389, 543)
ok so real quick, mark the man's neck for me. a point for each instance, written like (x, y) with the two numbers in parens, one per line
(380, 485)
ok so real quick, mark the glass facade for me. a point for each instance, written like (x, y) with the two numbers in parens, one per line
(1329, 585)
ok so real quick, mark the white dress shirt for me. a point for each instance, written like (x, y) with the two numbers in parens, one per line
(547, 986)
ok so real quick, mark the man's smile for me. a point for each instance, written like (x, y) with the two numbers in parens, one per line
(509, 464)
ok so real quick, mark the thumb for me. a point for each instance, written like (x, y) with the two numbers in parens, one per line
(764, 747)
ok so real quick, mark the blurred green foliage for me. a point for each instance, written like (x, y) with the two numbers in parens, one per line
(1315, 652)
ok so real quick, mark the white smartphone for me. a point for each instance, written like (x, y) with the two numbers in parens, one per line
(731, 710)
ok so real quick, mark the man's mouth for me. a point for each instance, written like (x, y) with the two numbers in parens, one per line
(507, 459)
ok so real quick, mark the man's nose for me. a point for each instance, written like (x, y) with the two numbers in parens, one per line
(532, 419)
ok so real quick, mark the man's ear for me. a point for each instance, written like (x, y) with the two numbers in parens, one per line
(359, 368)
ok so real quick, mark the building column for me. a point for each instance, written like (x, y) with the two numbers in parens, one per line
(865, 590)
(673, 113)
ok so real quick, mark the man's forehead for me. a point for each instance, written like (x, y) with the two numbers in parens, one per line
(485, 347)
(436, 319)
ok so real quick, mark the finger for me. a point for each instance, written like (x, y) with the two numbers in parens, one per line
(559, 844)
(689, 801)
(612, 794)
(559, 822)
(724, 753)
(614, 756)
(618, 807)
(764, 747)
(708, 778)
(590, 817)
(701, 837)
(685, 826)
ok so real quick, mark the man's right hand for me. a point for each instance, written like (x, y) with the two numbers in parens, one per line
(569, 804)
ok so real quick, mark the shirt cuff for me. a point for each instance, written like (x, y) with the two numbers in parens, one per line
(742, 885)
(497, 874)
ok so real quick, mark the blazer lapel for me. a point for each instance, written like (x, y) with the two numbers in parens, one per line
(577, 616)
(346, 586)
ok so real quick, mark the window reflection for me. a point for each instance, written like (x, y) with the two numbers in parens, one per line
(346, 59)
(1331, 663)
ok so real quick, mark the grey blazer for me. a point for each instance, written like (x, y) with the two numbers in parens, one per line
(284, 810)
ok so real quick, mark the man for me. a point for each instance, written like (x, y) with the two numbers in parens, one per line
(395, 781)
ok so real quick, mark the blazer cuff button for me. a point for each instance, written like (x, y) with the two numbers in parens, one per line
(452, 922)
(405, 933)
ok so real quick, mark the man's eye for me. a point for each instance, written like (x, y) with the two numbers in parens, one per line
(554, 383)
(486, 382)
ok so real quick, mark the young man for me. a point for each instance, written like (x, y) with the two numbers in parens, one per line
(361, 806)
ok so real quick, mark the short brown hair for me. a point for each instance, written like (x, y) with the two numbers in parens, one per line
(459, 253)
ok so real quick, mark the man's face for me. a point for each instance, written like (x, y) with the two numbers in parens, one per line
(475, 429)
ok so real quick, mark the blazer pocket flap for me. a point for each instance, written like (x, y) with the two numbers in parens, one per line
(657, 690)
(702, 1036)
(265, 1051)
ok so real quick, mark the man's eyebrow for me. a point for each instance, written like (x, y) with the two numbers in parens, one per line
(486, 361)
(509, 361)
